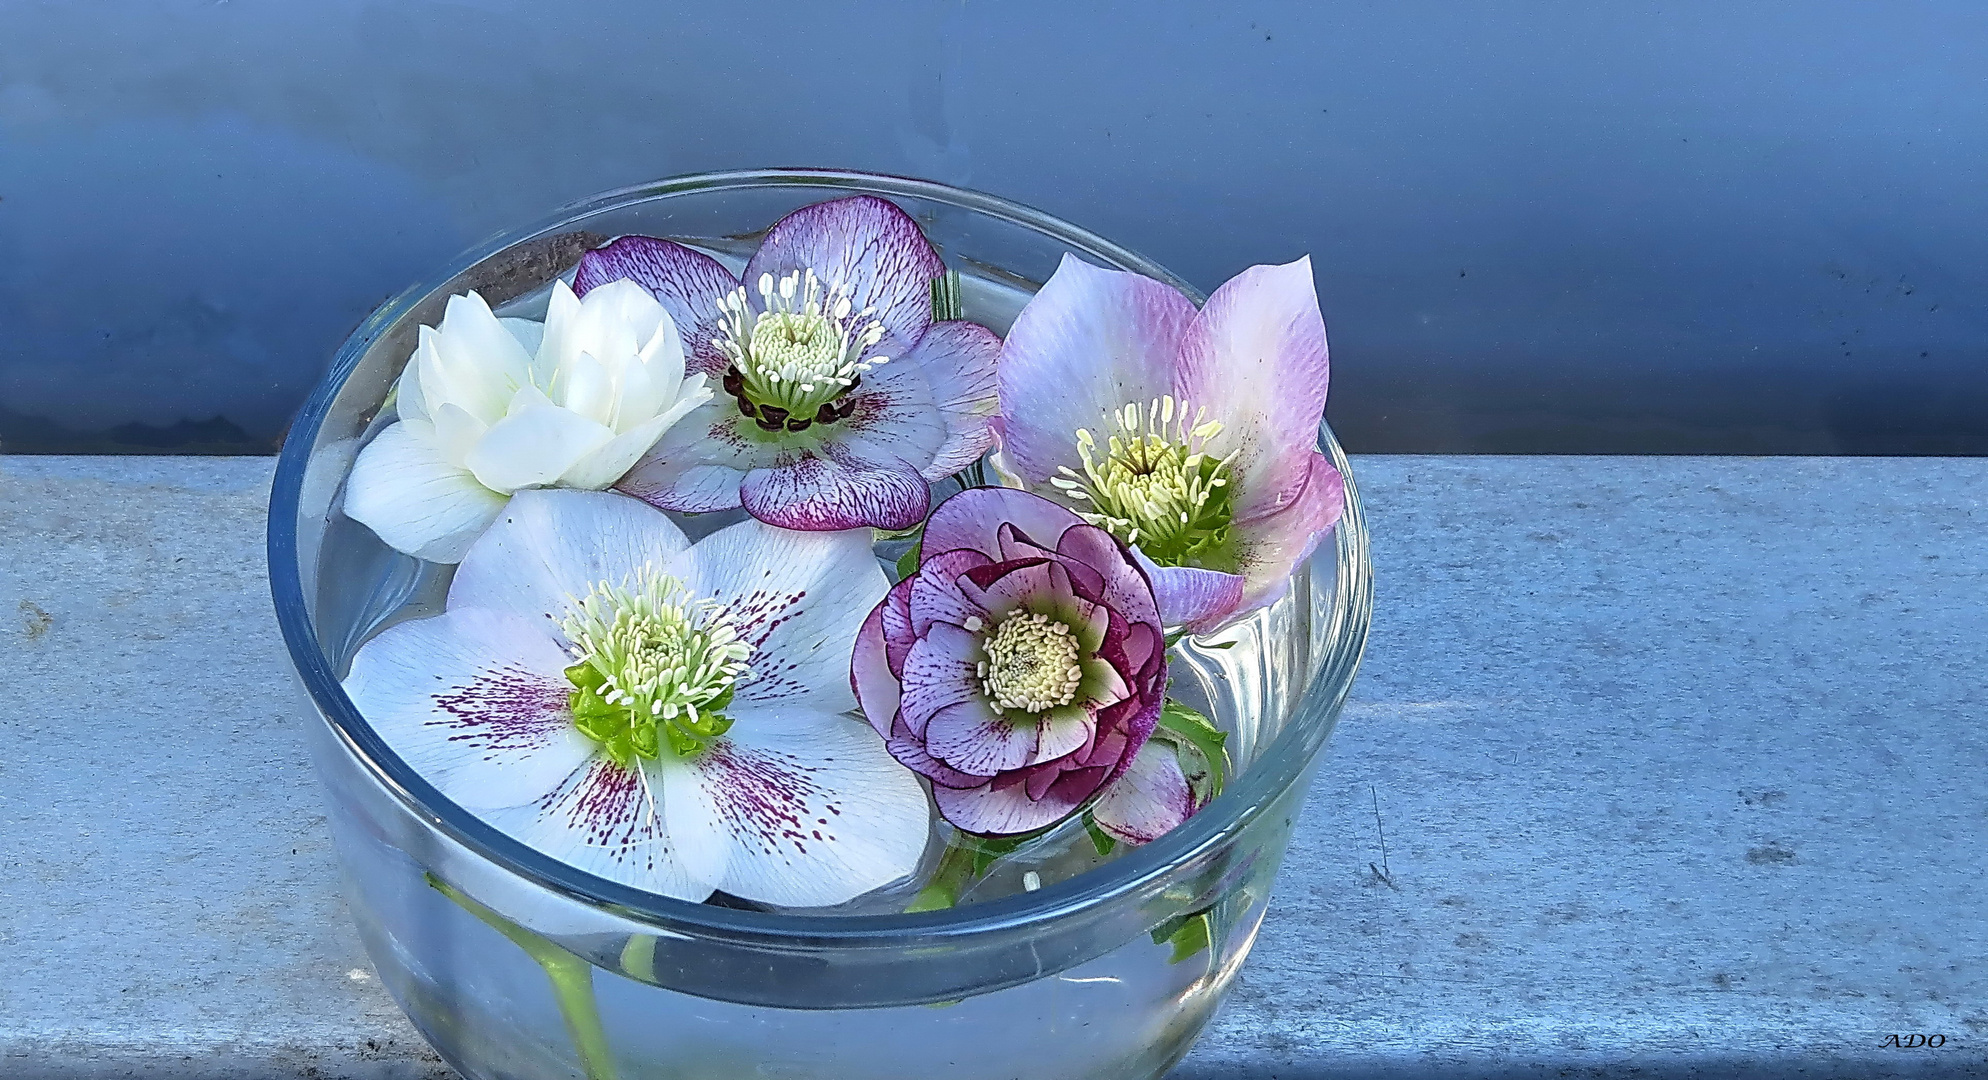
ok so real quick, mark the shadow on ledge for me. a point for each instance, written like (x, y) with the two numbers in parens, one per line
(21, 433)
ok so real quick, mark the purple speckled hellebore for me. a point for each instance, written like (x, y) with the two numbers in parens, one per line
(842, 399)
(1021, 669)
(1191, 435)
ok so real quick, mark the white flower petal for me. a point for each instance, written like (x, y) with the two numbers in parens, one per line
(606, 821)
(529, 332)
(535, 443)
(474, 701)
(551, 546)
(454, 432)
(610, 460)
(586, 387)
(808, 808)
(664, 351)
(562, 317)
(797, 598)
(409, 401)
(478, 358)
(403, 489)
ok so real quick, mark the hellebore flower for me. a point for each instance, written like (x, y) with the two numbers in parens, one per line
(489, 406)
(1192, 436)
(1021, 668)
(662, 714)
(843, 399)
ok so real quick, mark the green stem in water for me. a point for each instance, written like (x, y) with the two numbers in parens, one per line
(957, 869)
(572, 982)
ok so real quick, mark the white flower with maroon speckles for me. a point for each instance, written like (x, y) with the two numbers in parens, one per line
(667, 715)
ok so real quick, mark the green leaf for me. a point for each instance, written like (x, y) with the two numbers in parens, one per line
(1192, 937)
(1208, 742)
(946, 297)
(907, 563)
(1188, 934)
(1100, 839)
(938, 896)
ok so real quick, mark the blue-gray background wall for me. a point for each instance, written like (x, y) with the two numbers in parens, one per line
(1729, 227)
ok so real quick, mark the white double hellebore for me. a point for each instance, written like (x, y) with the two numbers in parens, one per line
(490, 406)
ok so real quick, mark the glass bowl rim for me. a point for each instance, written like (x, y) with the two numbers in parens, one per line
(1284, 762)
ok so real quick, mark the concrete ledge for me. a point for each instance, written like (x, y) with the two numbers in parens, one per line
(1680, 764)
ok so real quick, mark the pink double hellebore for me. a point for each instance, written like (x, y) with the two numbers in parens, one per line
(1021, 669)
(842, 399)
(1190, 435)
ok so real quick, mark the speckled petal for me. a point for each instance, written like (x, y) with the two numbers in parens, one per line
(799, 599)
(835, 492)
(1270, 549)
(958, 360)
(605, 820)
(796, 807)
(973, 519)
(866, 243)
(474, 701)
(1148, 800)
(992, 810)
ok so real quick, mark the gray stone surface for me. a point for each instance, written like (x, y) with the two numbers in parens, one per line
(1679, 763)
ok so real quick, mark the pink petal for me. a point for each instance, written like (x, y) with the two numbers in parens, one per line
(910, 751)
(1090, 342)
(1271, 548)
(866, 243)
(898, 635)
(1255, 358)
(1148, 800)
(1191, 597)
(1021, 587)
(939, 672)
(936, 595)
(818, 494)
(1126, 589)
(958, 361)
(896, 418)
(1001, 811)
(870, 677)
(973, 738)
(687, 283)
(973, 519)
(699, 463)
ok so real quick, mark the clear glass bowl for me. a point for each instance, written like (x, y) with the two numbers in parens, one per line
(1063, 982)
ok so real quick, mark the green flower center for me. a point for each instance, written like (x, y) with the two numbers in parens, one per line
(654, 668)
(1154, 485)
(795, 361)
(1031, 663)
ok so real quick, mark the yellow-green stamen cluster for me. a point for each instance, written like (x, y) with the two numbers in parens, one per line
(794, 361)
(1031, 663)
(654, 668)
(1156, 486)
